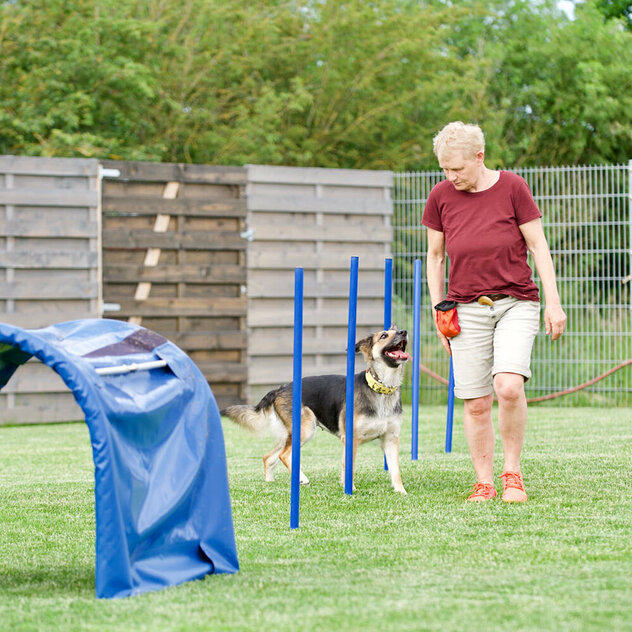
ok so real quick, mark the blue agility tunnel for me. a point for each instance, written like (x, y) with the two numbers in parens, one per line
(163, 513)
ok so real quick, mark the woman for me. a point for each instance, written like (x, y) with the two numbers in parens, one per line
(486, 220)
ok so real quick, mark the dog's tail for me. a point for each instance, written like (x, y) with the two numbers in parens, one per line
(247, 417)
(256, 419)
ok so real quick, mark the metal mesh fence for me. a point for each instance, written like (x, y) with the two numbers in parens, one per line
(586, 217)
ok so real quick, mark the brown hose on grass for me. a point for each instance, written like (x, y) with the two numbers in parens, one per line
(581, 386)
(543, 398)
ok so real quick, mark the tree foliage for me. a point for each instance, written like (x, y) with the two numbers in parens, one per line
(562, 87)
(346, 83)
(617, 9)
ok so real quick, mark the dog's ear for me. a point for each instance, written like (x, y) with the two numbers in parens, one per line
(364, 345)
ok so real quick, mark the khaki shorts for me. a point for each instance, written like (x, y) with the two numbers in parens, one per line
(493, 340)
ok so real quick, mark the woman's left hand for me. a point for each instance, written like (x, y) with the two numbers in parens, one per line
(554, 321)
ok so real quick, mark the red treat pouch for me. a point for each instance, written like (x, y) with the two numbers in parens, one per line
(447, 318)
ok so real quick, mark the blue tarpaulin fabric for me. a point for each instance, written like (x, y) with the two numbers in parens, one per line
(162, 502)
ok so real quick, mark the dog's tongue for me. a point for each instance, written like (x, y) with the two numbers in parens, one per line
(398, 354)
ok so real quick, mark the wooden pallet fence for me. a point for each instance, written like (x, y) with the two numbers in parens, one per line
(174, 261)
(317, 219)
(167, 246)
(49, 269)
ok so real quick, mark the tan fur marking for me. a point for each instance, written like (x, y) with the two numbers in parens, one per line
(270, 461)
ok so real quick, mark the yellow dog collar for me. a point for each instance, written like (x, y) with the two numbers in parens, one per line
(377, 386)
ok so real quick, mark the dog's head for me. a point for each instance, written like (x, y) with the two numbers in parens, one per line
(387, 346)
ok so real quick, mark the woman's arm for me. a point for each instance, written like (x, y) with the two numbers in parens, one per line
(554, 316)
(435, 274)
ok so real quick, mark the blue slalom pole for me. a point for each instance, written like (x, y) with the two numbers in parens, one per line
(388, 303)
(351, 335)
(297, 397)
(416, 357)
(388, 293)
(450, 415)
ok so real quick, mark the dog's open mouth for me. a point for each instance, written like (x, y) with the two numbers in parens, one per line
(397, 352)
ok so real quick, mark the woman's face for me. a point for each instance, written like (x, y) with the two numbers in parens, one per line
(464, 173)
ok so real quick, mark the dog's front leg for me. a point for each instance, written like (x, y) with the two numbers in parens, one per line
(390, 445)
(344, 455)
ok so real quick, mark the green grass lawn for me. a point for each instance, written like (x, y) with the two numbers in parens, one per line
(371, 561)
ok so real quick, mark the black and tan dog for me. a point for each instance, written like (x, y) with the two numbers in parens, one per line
(377, 406)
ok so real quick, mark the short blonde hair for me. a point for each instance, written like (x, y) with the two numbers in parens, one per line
(459, 136)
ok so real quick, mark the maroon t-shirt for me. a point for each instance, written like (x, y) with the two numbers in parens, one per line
(487, 252)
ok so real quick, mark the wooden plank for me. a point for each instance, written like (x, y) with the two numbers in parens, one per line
(220, 240)
(326, 289)
(49, 227)
(64, 259)
(181, 172)
(49, 289)
(181, 307)
(225, 389)
(216, 372)
(45, 317)
(349, 234)
(284, 317)
(27, 165)
(187, 273)
(333, 345)
(317, 175)
(52, 412)
(286, 256)
(271, 377)
(332, 205)
(66, 198)
(216, 355)
(195, 340)
(229, 207)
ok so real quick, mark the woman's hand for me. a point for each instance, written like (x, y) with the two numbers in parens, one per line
(554, 321)
(445, 342)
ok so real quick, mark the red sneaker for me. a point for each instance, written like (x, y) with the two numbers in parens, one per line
(513, 487)
(481, 492)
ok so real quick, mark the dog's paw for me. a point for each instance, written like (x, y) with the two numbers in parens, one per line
(304, 480)
(401, 490)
